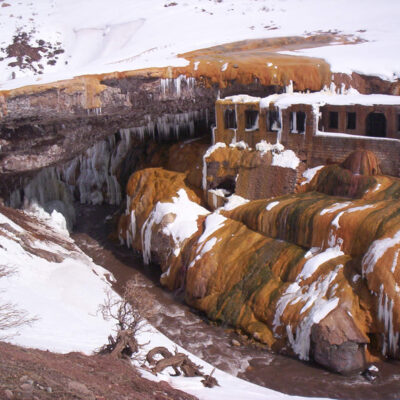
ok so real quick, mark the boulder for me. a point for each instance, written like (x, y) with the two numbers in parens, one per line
(338, 344)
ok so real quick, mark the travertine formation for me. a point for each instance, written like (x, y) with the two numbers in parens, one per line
(313, 273)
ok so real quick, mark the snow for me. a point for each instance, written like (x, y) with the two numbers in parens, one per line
(212, 223)
(329, 97)
(52, 291)
(335, 207)
(242, 98)
(183, 226)
(264, 147)
(286, 159)
(312, 264)
(242, 145)
(219, 192)
(270, 206)
(318, 298)
(310, 173)
(101, 37)
(354, 137)
(231, 388)
(377, 249)
(234, 201)
(280, 157)
(318, 301)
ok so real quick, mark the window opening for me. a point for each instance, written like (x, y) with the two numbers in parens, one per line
(333, 120)
(298, 122)
(251, 117)
(351, 120)
(274, 124)
(230, 119)
(376, 124)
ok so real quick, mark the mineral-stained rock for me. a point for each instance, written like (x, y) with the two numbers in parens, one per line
(247, 173)
(161, 214)
(338, 344)
(310, 273)
(362, 162)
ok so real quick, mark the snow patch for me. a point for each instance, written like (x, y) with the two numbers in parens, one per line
(233, 202)
(183, 226)
(286, 159)
(242, 145)
(270, 206)
(310, 173)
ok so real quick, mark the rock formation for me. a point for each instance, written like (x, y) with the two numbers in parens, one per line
(265, 172)
(309, 273)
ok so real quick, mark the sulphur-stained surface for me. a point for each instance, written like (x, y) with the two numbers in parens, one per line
(154, 198)
(307, 273)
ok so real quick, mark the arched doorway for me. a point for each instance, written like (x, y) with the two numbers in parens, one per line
(376, 124)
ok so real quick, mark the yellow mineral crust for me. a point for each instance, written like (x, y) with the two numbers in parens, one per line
(243, 62)
(144, 189)
(239, 276)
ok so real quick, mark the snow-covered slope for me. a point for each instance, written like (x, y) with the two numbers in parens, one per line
(103, 36)
(53, 280)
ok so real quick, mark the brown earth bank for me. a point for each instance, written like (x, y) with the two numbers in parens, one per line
(35, 374)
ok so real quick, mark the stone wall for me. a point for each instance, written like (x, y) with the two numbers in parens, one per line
(327, 150)
(313, 147)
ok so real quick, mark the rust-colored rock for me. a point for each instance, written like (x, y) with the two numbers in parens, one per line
(305, 272)
(338, 344)
(248, 173)
(362, 162)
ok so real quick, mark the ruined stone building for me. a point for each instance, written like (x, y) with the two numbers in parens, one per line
(320, 127)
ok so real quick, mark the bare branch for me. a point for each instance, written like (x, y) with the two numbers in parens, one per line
(129, 314)
(10, 316)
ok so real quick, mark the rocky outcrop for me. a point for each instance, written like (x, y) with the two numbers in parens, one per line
(158, 203)
(41, 126)
(267, 172)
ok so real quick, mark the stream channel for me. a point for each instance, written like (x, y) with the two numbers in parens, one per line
(193, 332)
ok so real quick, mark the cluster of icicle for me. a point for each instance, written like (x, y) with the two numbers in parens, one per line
(173, 86)
(93, 177)
(169, 126)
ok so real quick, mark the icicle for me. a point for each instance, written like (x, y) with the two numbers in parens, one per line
(146, 233)
(289, 88)
(213, 135)
(133, 224)
(385, 315)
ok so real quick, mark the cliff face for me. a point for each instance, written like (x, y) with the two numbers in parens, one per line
(305, 273)
(41, 126)
(46, 124)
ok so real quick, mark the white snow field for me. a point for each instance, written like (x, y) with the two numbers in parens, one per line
(103, 36)
(64, 295)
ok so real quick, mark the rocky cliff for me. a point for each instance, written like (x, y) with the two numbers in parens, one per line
(47, 124)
